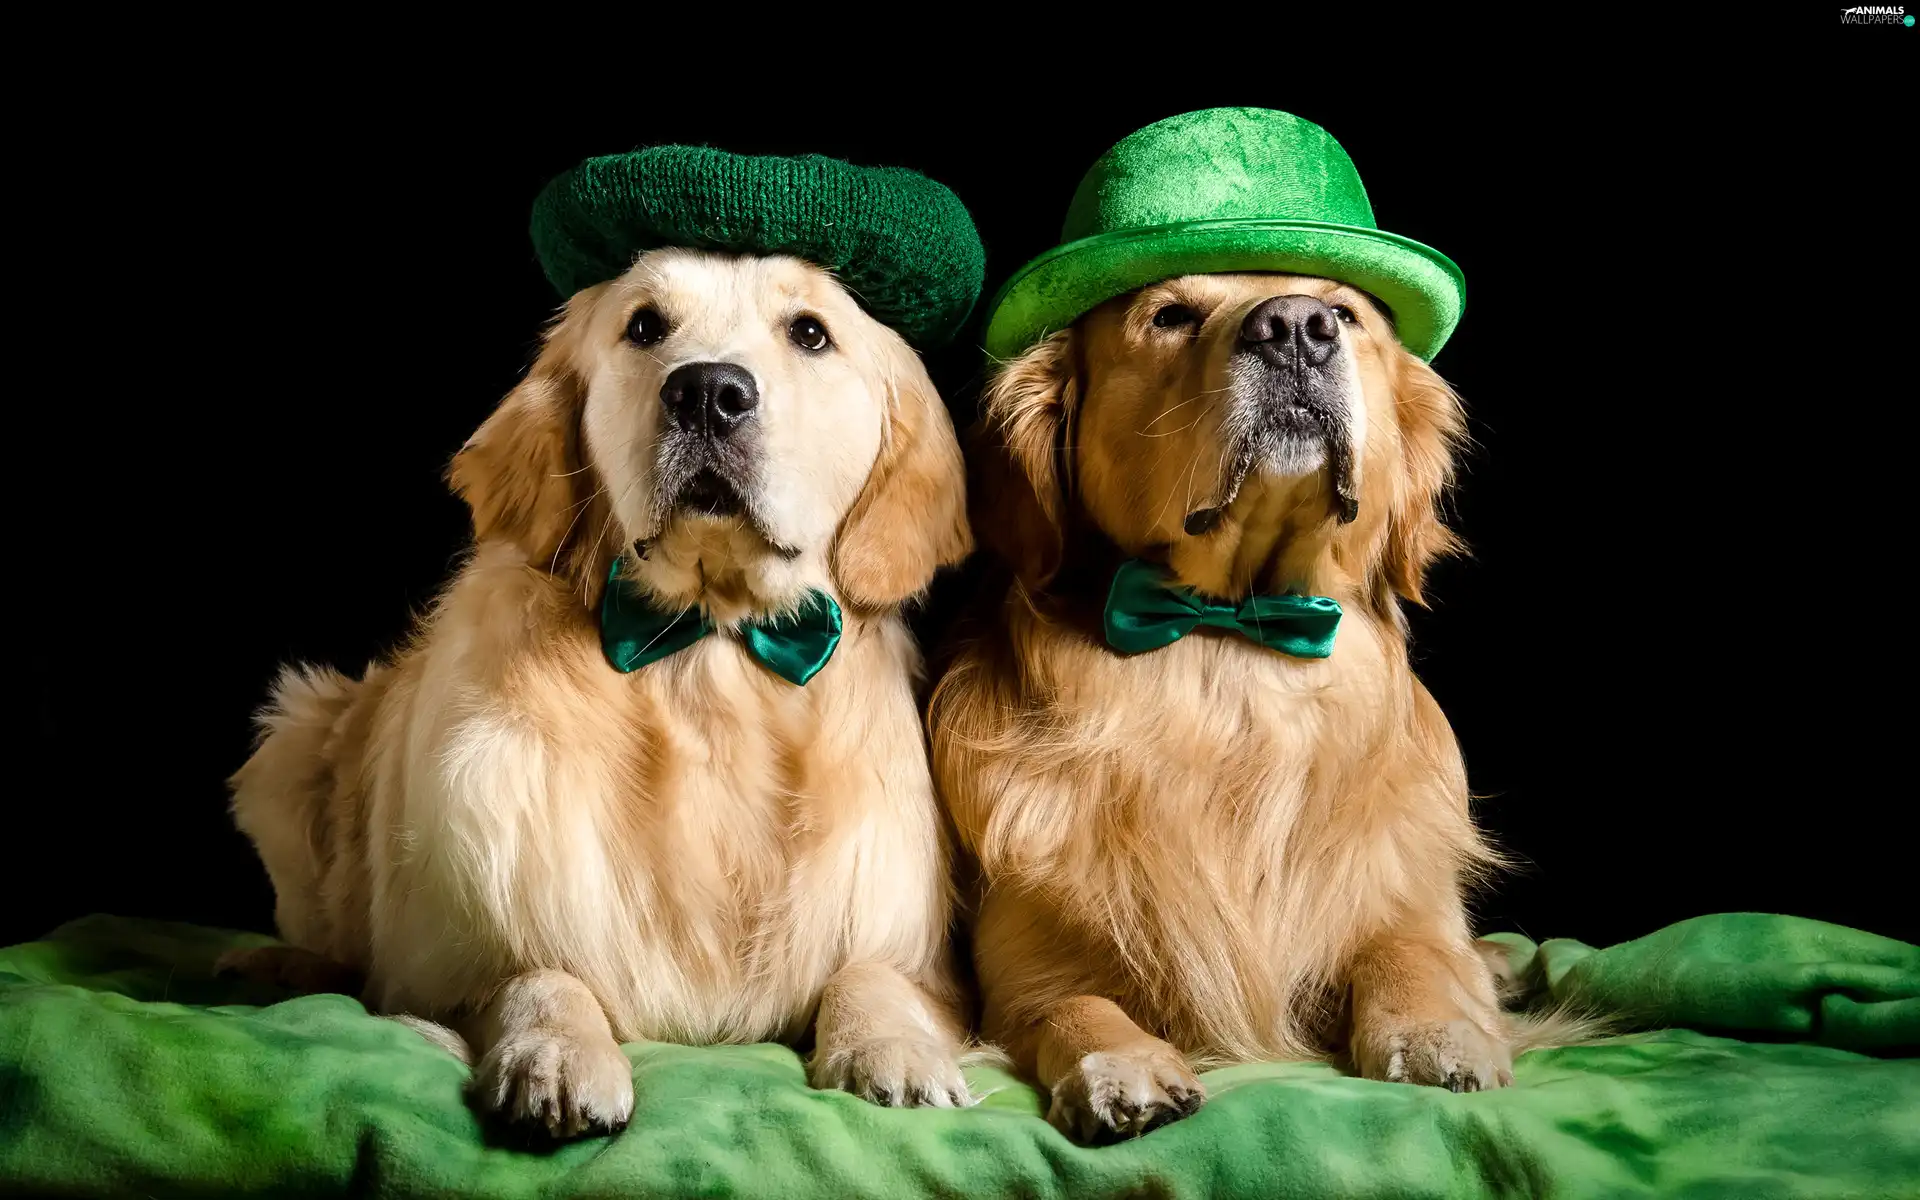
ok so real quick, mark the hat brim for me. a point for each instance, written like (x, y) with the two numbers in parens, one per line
(1422, 286)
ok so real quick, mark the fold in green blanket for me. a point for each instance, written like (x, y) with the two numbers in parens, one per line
(126, 1069)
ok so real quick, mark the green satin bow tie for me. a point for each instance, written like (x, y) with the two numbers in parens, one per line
(633, 632)
(1145, 612)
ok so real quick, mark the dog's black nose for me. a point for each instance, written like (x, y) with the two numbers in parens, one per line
(710, 397)
(1292, 328)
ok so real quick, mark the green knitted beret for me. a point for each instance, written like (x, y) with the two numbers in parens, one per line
(901, 243)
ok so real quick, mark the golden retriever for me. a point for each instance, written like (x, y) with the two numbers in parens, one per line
(506, 834)
(1214, 852)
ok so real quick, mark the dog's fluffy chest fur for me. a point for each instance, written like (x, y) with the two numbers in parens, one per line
(1203, 740)
(700, 842)
(1219, 823)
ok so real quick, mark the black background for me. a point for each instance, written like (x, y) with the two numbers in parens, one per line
(269, 310)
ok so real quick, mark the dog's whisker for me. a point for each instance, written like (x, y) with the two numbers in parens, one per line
(1189, 400)
(579, 510)
(1193, 466)
(613, 513)
(1174, 432)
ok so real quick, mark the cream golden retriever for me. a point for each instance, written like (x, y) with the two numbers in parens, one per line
(1214, 852)
(502, 832)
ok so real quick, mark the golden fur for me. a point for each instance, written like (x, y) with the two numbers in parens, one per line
(1210, 852)
(505, 834)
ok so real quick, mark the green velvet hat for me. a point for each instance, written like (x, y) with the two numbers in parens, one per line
(903, 244)
(1225, 189)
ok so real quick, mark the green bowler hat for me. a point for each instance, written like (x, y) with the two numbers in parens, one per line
(903, 245)
(1225, 189)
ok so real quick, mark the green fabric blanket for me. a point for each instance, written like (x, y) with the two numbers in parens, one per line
(126, 1069)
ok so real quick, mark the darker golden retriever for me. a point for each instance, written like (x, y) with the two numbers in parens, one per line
(1215, 851)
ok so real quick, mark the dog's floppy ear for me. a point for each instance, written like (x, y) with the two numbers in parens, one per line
(520, 472)
(1020, 503)
(1431, 425)
(911, 518)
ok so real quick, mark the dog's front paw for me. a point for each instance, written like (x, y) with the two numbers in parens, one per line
(1112, 1095)
(895, 1071)
(563, 1085)
(1457, 1055)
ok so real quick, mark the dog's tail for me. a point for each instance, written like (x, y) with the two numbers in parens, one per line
(1555, 1028)
(304, 704)
(283, 794)
(1535, 1025)
(295, 728)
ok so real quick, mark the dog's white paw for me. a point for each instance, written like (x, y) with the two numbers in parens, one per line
(564, 1085)
(895, 1071)
(1113, 1095)
(1457, 1055)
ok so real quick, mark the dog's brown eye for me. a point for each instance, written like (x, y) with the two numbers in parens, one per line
(1174, 316)
(1345, 314)
(809, 334)
(646, 327)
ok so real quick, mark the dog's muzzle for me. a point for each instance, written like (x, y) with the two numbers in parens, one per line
(708, 444)
(707, 453)
(1290, 379)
